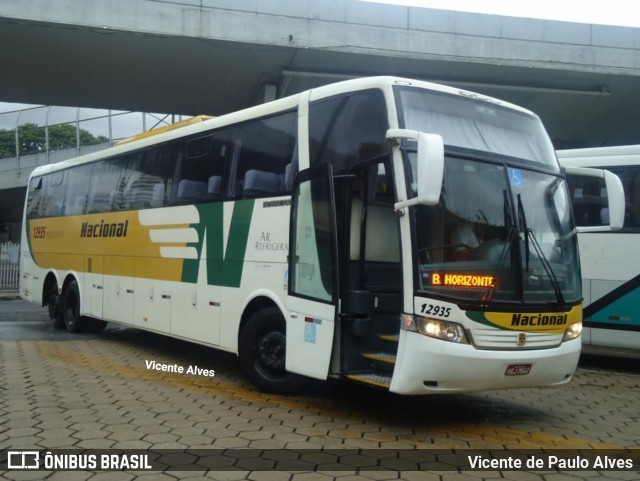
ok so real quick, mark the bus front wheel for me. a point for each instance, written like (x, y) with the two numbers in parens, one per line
(262, 349)
(71, 307)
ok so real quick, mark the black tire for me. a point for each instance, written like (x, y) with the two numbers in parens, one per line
(55, 308)
(262, 349)
(71, 307)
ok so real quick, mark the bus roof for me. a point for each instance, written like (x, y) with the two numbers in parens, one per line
(621, 155)
(269, 108)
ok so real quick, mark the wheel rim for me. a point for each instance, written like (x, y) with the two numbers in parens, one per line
(270, 353)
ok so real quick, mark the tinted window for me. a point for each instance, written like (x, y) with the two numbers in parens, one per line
(105, 177)
(348, 130)
(473, 122)
(35, 197)
(53, 194)
(201, 166)
(75, 199)
(263, 160)
(144, 180)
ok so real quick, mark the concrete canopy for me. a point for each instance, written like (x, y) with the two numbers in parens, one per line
(216, 56)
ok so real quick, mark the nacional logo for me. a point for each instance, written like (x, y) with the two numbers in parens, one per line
(548, 322)
(539, 320)
(115, 229)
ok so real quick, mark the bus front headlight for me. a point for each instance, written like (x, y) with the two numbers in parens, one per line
(573, 331)
(436, 328)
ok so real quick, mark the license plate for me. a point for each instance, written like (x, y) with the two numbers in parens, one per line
(518, 370)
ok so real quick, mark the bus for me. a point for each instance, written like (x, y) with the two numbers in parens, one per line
(610, 264)
(410, 236)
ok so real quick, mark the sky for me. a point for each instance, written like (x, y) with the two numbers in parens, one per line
(604, 12)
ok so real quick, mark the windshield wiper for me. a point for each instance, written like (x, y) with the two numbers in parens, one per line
(512, 233)
(523, 221)
(529, 234)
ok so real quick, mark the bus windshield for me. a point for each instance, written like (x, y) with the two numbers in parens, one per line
(502, 233)
(476, 124)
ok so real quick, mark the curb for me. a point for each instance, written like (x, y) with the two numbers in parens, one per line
(9, 295)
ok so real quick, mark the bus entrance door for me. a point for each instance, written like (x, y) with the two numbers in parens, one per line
(313, 274)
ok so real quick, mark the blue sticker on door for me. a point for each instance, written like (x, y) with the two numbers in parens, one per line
(310, 332)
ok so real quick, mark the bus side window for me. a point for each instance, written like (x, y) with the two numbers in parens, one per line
(348, 130)
(157, 170)
(76, 195)
(264, 155)
(105, 177)
(630, 177)
(200, 168)
(54, 185)
(143, 183)
(35, 198)
(634, 200)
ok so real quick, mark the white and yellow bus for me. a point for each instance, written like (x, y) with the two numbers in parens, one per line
(407, 235)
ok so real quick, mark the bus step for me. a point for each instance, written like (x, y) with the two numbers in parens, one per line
(371, 379)
(390, 337)
(380, 356)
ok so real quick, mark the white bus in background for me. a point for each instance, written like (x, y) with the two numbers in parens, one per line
(610, 260)
(406, 235)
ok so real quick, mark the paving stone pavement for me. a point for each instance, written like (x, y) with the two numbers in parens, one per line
(95, 392)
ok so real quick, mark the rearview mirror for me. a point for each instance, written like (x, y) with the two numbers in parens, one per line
(429, 165)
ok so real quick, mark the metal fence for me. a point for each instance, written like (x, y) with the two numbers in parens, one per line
(47, 129)
(9, 266)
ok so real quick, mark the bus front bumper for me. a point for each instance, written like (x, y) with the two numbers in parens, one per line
(426, 365)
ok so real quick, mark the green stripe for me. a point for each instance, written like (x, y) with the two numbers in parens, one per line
(210, 216)
(221, 270)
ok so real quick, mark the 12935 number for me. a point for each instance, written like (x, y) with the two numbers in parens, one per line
(435, 310)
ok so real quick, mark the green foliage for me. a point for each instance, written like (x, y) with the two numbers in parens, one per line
(32, 139)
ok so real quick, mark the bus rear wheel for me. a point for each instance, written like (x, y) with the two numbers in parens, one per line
(262, 349)
(55, 308)
(71, 307)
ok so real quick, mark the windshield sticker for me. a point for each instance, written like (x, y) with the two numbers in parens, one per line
(515, 176)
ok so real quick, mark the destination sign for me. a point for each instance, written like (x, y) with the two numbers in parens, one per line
(462, 280)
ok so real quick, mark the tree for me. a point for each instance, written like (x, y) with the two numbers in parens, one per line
(32, 140)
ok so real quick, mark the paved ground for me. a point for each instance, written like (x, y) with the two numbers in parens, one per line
(91, 392)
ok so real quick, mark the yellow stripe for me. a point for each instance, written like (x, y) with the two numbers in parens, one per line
(376, 357)
(389, 338)
(535, 321)
(355, 377)
(64, 249)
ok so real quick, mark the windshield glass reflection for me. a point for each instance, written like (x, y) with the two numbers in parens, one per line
(477, 244)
